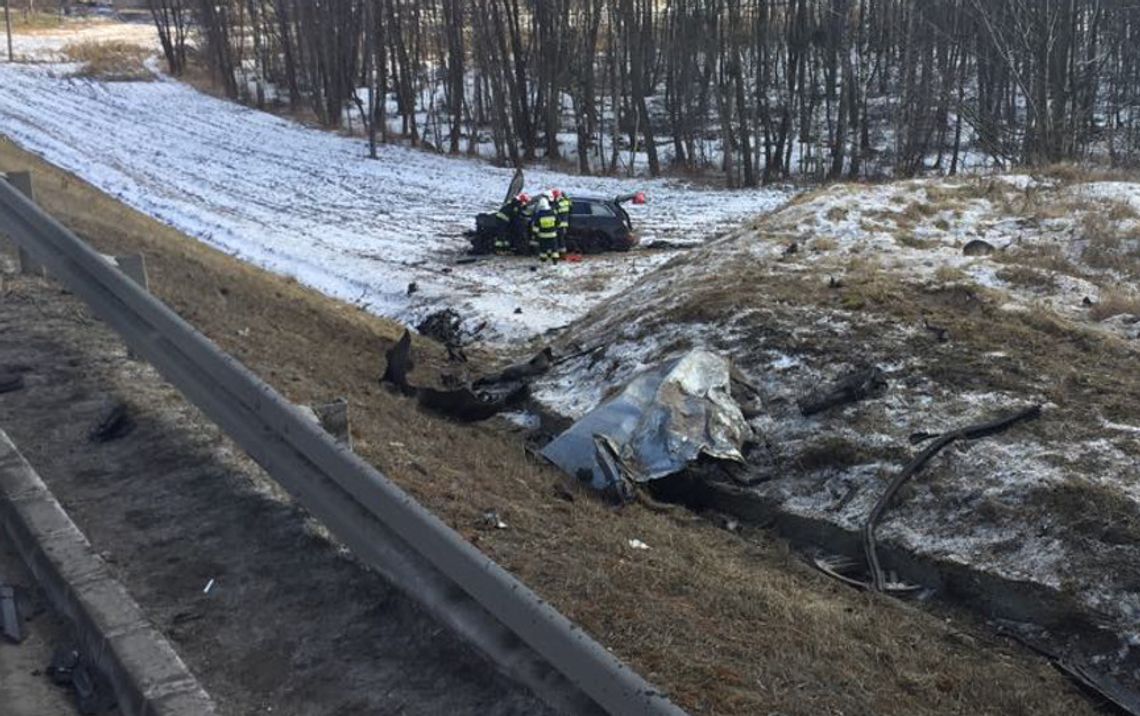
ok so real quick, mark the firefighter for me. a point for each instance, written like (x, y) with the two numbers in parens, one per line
(544, 229)
(509, 215)
(528, 242)
(562, 204)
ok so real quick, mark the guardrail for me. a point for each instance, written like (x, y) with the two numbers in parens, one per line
(383, 526)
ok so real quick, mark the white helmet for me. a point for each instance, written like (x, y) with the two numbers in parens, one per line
(543, 203)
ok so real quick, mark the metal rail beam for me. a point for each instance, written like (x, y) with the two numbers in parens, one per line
(382, 525)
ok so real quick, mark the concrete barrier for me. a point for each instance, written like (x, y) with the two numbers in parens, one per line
(147, 675)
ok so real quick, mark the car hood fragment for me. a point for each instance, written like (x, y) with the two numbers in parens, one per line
(665, 419)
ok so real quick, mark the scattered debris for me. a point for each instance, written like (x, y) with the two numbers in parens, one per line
(467, 405)
(11, 621)
(531, 369)
(977, 247)
(442, 326)
(792, 249)
(93, 695)
(480, 400)
(833, 282)
(399, 364)
(208, 587)
(942, 334)
(969, 432)
(665, 419)
(491, 519)
(115, 421)
(637, 544)
(843, 568)
(10, 382)
(1099, 684)
(850, 389)
(666, 245)
(413, 287)
(518, 311)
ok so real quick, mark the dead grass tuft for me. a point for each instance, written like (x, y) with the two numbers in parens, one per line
(25, 21)
(836, 213)
(950, 274)
(111, 61)
(1028, 277)
(1091, 509)
(907, 238)
(1115, 303)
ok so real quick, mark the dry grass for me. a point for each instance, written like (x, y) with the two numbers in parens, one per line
(950, 274)
(1069, 173)
(836, 213)
(32, 21)
(727, 623)
(1028, 277)
(823, 244)
(1115, 303)
(111, 61)
(1090, 509)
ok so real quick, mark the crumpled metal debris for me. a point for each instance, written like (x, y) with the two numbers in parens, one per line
(665, 419)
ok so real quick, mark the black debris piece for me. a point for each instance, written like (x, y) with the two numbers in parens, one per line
(850, 389)
(413, 287)
(940, 333)
(666, 245)
(400, 363)
(115, 422)
(977, 247)
(93, 693)
(444, 327)
(531, 369)
(467, 405)
(10, 382)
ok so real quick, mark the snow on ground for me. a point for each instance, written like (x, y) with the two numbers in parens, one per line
(309, 204)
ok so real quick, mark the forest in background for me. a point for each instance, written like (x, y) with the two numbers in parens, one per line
(755, 90)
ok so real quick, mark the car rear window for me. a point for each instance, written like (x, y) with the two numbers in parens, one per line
(580, 207)
(600, 209)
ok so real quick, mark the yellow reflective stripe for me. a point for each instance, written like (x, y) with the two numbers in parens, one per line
(547, 222)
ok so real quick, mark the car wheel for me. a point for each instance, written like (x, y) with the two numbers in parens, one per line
(598, 243)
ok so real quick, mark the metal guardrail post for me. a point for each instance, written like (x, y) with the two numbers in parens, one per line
(384, 527)
(134, 267)
(22, 181)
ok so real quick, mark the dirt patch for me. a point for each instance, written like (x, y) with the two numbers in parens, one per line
(727, 623)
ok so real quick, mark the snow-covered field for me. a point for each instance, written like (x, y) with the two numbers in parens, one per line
(309, 204)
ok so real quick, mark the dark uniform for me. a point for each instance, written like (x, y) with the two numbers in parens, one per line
(544, 231)
(508, 216)
(529, 242)
(562, 209)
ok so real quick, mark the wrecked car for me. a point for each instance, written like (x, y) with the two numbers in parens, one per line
(596, 224)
